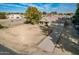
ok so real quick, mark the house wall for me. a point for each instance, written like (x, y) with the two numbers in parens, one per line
(14, 16)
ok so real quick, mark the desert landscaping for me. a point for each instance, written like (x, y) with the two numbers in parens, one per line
(29, 39)
(35, 32)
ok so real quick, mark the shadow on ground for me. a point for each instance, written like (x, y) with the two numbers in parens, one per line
(66, 41)
(6, 51)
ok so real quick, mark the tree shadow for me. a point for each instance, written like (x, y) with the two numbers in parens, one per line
(65, 40)
(67, 43)
(45, 30)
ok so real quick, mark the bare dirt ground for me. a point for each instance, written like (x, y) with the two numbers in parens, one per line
(21, 38)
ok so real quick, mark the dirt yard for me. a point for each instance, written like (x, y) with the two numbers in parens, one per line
(21, 38)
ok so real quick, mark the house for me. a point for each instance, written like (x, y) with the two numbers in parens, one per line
(13, 19)
(14, 16)
(48, 19)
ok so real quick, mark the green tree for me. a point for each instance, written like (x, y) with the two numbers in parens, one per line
(77, 13)
(33, 15)
(76, 16)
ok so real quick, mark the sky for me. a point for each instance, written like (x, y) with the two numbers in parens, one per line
(47, 7)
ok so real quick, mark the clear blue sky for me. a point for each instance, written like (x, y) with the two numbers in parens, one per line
(47, 7)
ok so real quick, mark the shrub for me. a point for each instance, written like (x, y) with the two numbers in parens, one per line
(1, 26)
(2, 15)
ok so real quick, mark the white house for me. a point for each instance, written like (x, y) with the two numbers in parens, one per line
(14, 16)
(15, 19)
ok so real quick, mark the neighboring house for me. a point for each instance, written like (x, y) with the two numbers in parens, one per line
(48, 19)
(15, 16)
(13, 19)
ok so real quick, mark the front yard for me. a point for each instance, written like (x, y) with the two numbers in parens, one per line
(21, 38)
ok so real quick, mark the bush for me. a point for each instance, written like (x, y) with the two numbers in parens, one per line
(1, 26)
(2, 15)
